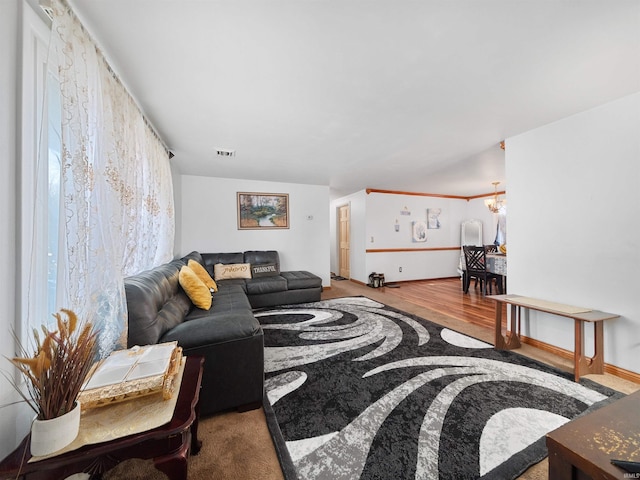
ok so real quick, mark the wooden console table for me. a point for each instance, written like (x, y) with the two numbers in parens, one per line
(584, 447)
(582, 364)
(168, 445)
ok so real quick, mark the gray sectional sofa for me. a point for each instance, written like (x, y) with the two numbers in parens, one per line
(227, 335)
(276, 288)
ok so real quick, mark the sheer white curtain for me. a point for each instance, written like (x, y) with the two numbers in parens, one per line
(116, 190)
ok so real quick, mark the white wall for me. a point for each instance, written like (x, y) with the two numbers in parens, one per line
(573, 204)
(9, 21)
(382, 212)
(209, 222)
(373, 219)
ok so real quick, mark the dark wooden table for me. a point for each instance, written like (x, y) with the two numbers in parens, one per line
(168, 445)
(584, 447)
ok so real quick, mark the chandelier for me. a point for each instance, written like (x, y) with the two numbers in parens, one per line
(495, 204)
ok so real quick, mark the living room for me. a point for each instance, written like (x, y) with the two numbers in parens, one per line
(563, 175)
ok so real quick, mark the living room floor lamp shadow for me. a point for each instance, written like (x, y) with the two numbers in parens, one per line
(258, 211)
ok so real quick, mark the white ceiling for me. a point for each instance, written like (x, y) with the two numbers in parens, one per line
(393, 94)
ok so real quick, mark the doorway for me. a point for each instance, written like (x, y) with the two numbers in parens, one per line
(344, 240)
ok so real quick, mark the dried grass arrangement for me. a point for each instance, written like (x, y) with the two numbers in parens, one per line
(57, 370)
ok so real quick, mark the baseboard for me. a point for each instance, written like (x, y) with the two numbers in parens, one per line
(568, 355)
(404, 281)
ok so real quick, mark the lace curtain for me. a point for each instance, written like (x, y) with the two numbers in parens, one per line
(116, 190)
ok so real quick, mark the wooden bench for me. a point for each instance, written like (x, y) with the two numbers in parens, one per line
(582, 364)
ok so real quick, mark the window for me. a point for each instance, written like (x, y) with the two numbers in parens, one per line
(39, 180)
(54, 172)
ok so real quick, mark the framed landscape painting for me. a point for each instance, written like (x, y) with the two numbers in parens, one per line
(262, 211)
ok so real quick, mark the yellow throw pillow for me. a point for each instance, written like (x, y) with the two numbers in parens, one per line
(202, 274)
(195, 289)
(223, 271)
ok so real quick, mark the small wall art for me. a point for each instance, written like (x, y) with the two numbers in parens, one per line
(433, 217)
(262, 211)
(419, 231)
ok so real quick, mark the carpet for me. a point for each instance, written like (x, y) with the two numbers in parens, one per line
(361, 390)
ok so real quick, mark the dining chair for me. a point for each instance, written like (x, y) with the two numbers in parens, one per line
(476, 267)
(491, 248)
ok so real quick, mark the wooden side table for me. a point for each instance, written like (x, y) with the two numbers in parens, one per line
(168, 445)
(584, 447)
(582, 364)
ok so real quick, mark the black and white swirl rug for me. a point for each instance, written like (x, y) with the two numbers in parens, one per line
(361, 390)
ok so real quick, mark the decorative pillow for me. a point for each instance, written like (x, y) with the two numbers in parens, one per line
(194, 288)
(202, 274)
(264, 270)
(223, 271)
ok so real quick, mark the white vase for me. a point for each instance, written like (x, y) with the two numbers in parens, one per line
(49, 436)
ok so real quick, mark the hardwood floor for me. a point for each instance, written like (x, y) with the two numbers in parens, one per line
(446, 296)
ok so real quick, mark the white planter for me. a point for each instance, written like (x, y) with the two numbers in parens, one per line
(49, 436)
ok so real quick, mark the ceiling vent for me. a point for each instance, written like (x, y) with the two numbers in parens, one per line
(226, 153)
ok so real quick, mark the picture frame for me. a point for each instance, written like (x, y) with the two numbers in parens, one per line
(419, 231)
(433, 218)
(262, 211)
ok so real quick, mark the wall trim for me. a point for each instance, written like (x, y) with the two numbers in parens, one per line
(439, 195)
(392, 250)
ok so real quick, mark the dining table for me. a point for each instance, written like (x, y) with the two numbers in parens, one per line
(497, 264)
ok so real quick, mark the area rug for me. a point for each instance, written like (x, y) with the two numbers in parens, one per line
(361, 390)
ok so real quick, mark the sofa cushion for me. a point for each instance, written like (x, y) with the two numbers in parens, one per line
(202, 274)
(261, 257)
(195, 289)
(264, 270)
(193, 256)
(301, 279)
(228, 299)
(257, 286)
(210, 259)
(233, 270)
(214, 329)
(237, 282)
